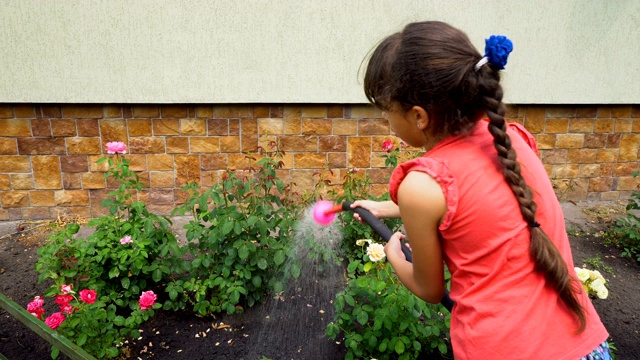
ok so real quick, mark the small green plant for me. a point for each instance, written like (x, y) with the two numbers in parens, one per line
(239, 239)
(627, 228)
(380, 318)
(597, 263)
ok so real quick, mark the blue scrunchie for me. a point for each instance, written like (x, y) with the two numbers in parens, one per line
(497, 49)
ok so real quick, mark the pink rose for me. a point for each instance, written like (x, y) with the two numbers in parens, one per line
(68, 309)
(35, 307)
(66, 289)
(387, 145)
(147, 299)
(63, 300)
(54, 320)
(126, 240)
(116, 147)
(88, 296)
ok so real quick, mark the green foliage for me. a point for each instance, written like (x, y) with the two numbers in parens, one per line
(627, 228)
(239, 240)
(380, 318)
(596, 263)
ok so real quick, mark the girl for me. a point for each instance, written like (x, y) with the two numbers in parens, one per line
(492, 217)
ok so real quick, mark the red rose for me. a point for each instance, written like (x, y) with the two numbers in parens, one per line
(88, 296)
(54, 320)
(387, 145)
(63, 300)
(147, 299)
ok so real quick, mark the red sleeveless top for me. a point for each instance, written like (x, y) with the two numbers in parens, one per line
(503, 308)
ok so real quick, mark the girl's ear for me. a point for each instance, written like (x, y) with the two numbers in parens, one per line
(419, 116)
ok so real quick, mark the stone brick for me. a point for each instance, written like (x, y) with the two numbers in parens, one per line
(316, 126)
(609, 195)
(379, 176)
(604, 112)
(534, 119)
(229, 143)
(362, 112)
(310, 161)
(622, 111)
(292, 120)
(560, 111)
(214, 161)
(71, 181)
(207, 179)
(187, 169)
(558, 156)
(94, 166)
(565, 171)
(359, 152)
(635, 128)
(173, 111)
(40, 127)
(332, 143)
(234, 127)
(299, 143)
(15, 127)
(260, 111)
(271, 126)
(546, 141)
(572, 141)
(629, 144)
(8, 146)
(600, 184)
(166, 127)
(82, 111)
(146, 145)
(623, 125)
(204, 111)
(218, 127)
(88, 127)
(590, 170)
(72, 197)
(628, 183)
(314, 111)
(625, 169)
(5, 182)
(74, 163)
(337, 160)
(607, 155)
(193, 127)
(604, 125)
(45, 146)
(177, 145)
(22, 181)
(159, 162)
(46, 172)
(112, 112)
(303, 180)
(548, 168)
(162, 179)
(582, 156)
(63, 127)
(268, 142)
(146, 111)
(581, 125)
(35, 213)
(139, 127)
(556, 126)
(345, 127)
(14, 199)
(83, 146)
(586, 112)
(113, 130)
(373, 127)
(606, 169)
(42, 198)
(204, 144)
(93, 180)
(137, 162)
(232, 111)
(613, 140)
(51, 111)
(157, 197)
(335, 111)
(595, 141)
(15, 164)
(276, 111)
(6, 112)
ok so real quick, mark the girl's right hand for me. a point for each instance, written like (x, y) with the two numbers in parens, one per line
(379, 209)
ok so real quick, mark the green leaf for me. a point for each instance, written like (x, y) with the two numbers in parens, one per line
(262, 263)
(243, 252)
(112, 351)
(363, 317)
(54, 352)
(157, 275)
(125, 282)
(227, 227)
(399, 347)
(256, 281)
(279, 257)
(114, 272)
(81, 339)
(118, 320)
(368, 266)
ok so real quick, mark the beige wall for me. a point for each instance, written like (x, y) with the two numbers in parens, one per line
(298, 51)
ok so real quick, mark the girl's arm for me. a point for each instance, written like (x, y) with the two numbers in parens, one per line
(422, 206)
(379, 209)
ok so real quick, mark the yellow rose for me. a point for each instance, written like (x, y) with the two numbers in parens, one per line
(376, 252)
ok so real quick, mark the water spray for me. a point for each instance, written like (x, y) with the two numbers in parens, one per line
(324, 212)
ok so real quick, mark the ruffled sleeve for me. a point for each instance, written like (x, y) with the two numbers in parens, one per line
(438, 171)
(525, 135)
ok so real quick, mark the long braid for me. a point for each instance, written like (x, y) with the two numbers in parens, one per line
(545, 254)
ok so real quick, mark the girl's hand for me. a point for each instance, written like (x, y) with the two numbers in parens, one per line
(379, 209)
(393, 249)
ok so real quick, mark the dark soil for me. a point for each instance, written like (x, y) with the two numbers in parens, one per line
(292, 326)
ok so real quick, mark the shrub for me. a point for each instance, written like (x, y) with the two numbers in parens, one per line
(627, 228)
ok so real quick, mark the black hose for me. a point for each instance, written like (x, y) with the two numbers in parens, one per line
(385, 233)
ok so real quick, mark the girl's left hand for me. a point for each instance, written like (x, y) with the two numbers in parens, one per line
(393, 248)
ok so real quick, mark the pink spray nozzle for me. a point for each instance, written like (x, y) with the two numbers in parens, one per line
(324, 212)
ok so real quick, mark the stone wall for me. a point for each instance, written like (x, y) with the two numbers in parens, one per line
(48, 153)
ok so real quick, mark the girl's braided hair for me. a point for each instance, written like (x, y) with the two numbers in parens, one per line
(431, 64)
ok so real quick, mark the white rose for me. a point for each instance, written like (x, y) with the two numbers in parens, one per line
(361, 242)
(583, 274)
(595, 274)
(376, 252)
(603, 293)
(597, 285)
